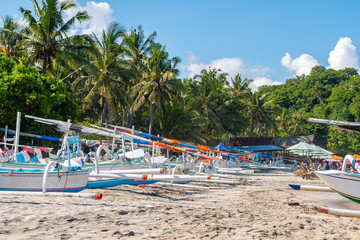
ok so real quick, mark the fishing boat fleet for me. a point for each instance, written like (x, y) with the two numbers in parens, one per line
(132, 157)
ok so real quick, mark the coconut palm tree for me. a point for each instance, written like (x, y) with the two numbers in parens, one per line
(45, 34)
(178, 122)
(296, 122)
(260, 113)
(210, 95)
(136, 47)
(10, 41)
(283, 121)
(240, 86)
(107, 73)
(158, 83)
(209, 90)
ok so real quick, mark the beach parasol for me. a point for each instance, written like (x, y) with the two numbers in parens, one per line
(302, 145)
(302, 148)
(305, 149)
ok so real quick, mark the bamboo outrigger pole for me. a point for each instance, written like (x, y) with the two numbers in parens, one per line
(17, 134)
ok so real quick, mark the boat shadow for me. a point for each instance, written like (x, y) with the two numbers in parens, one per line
(56, 203)
(157, 193)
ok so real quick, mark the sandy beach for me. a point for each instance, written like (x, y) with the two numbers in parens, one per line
(263, 208)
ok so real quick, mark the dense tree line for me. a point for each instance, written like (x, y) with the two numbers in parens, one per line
(127, 78)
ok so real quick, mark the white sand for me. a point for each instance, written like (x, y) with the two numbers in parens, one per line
(257, 211)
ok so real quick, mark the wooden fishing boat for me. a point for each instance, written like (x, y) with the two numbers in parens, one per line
(106, 165)
(19, 179)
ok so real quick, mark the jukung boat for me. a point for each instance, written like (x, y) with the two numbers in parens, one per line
(107, 178)
(66, 177)
(345, 183)
(20, 179)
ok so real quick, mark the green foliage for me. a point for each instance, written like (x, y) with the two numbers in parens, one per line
(221, 110)
(329, 94)
(129, 78)
(10, 41)
(177, 122)
(343, 142)
(24, 89)
(45, 33)
(261, 114)
(104, 84)
(158, 83)
(344, 101)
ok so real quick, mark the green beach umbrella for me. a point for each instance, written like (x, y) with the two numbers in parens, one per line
(300, 146)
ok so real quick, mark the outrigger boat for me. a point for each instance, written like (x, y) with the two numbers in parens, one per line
(108, 178)
(345, 183)
(20, 179)
(66, 177)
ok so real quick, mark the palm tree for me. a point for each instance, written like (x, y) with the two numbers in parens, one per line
(45, 35)
(136, 48)
(209, 90)
(209, 94)
(260, 113)
(296, 122)
(283, 121)
(179, 122)
(158, 83)
(240, 86)
(108, 73)
(10, 41)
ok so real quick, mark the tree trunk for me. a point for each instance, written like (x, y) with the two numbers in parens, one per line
(106, 111)
(123, 117)
(110, 120)
(151, 116)
(44, 65)
(129, 118)
(103, 115)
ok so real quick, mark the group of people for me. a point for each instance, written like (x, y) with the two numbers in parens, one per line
(330, 166)
(325, 166)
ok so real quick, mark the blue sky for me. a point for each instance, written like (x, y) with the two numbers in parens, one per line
(247, 37)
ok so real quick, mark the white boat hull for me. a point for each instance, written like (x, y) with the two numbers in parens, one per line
(31, 180)
(102, 166)
(346, 184)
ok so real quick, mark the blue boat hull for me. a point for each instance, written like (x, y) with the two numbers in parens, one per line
(116, 182)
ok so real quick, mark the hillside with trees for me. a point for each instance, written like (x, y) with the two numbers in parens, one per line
(128, 78)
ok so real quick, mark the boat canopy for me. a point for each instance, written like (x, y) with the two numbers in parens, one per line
(257, 148)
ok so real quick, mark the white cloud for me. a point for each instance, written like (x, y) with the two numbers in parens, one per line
(343, 55)
(100, 13)
(260, 81)
(301, 65)
(232, 66)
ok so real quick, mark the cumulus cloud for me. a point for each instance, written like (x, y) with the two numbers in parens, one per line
(301, 65)
(260, 81)
(343, 55)
(232, 66)
(100, 13)
(228, 65)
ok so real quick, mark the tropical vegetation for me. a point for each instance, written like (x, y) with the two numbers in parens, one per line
(128, 78)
